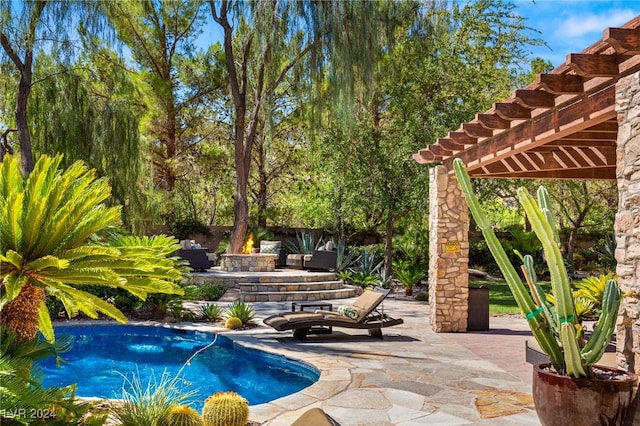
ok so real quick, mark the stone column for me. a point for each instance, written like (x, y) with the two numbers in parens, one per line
(448, 253)
(627, 223)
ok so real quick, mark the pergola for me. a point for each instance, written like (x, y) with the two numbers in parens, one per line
(578, 121)
(563, 126)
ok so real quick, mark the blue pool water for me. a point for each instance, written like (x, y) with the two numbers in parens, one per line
(102, 355)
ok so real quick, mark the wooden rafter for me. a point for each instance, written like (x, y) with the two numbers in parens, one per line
(562, 126)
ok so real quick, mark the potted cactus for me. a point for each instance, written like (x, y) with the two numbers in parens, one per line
(569, 389)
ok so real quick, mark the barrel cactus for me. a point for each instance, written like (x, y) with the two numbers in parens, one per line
(556, 328)
(180, 415)
(233, 323)
(225, 409)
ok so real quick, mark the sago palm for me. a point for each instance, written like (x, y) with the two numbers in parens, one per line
(47, 221)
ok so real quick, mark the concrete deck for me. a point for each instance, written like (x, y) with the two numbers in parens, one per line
(413, 376)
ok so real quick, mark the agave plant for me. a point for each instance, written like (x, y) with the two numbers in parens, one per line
(47, 222)
(241, 310)
(556, 328)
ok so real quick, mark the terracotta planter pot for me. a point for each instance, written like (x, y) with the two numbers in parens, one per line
(562, 400)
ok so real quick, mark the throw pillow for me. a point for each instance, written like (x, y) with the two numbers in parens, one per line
(348, 311)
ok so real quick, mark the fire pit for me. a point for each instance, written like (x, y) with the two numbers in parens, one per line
(255, 262)
(247, 261)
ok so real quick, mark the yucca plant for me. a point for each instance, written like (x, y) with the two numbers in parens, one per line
(47, 222)
(241, 310)
(211, 313)
(556, 328)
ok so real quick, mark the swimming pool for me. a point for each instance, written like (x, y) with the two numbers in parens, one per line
(102, 355)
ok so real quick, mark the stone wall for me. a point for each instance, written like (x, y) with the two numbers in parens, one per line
(258, 262)
(448, 253)
(627, 223)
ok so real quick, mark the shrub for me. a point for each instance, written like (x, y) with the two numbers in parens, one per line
(143, 404)
(211, 313)
(212, 292)
(422, 297)
(240, 310)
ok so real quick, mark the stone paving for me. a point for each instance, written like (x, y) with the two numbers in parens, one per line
(413, 376)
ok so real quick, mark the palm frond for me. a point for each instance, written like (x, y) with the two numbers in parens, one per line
(13, 283)
(12, 257)
(89, 304)
(46, 262)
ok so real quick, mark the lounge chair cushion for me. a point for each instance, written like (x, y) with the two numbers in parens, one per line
(314, 417)
(367, 302)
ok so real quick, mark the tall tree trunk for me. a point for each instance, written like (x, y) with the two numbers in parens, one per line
(24, 87)
(388, 244)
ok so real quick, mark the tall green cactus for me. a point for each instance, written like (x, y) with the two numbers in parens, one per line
(555, 329)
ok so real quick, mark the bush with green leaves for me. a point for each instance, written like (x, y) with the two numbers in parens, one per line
(241, 310)
(211, 312)
(212, 292)
(49, 221)
(410, 277)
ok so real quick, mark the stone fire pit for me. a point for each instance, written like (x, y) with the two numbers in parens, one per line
(255, 262)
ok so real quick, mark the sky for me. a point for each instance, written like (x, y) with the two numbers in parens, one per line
(570, 26)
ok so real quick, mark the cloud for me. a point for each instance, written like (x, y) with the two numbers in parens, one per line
(579, 25)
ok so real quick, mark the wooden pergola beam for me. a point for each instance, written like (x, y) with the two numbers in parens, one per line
(603, 173)
(462, 138)
(512, 111)
(439, 150)
(590, 66)
(535, 98)
(476, 130)
(561, 83)
(624, 40)
(451, 144)
(493, 121)
(549, 126)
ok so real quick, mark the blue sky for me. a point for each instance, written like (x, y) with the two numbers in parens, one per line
(569, 26)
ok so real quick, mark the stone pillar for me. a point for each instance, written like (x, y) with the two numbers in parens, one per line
(627, 222)
(448, 253)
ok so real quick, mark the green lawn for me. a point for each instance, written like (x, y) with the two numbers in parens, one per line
(501, 300)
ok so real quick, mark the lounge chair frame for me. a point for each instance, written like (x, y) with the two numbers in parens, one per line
(373, 320)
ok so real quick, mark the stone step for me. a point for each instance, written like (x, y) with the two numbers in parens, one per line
(298, 296)
(277, 276)
(266, 287)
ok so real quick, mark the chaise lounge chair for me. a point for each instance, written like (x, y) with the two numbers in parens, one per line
(362, 314)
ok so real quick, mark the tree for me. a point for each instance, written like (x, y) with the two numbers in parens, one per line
(90, 113)
(583, 204)
(18, 44)
(273, 40)
(46, 221)
(160, 35)
(447, 63)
